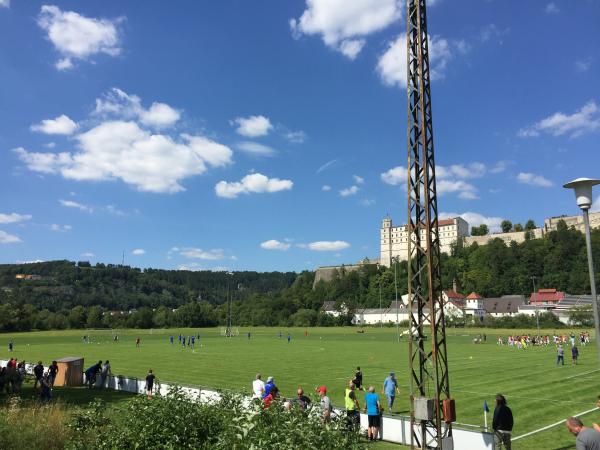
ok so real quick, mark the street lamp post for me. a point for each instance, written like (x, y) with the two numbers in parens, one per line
(583, 193)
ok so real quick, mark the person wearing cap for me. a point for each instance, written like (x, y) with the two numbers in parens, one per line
(352, 407)
(325, 403)
(270, 385)
(390, 389)
(258, 387)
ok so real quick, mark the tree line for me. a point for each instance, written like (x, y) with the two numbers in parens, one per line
(79, 295)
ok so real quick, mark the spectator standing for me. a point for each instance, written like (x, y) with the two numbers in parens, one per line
(352, 407)
(46, 392)
(560, 355)
(20, 377)
(105, 373)
(574, 354)
(38, 373)
(373, 410)
(150, 383)
(90, 374)
(10, 346)
(52, 371)
(390, 389)
(325, 404)
(358, 378)
(502, 424)
(587, 438)
(258, 387)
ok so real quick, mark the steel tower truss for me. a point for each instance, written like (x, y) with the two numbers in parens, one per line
(428, 358)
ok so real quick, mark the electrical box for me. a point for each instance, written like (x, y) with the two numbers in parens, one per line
(449, 410)
(424, 408)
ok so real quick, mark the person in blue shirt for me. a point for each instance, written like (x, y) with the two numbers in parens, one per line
(171, 339)
(289, 338)
(373, 410)
(390, 389)
(193, 342)
(270, 385)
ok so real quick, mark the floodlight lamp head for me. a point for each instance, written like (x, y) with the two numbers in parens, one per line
(583, 191)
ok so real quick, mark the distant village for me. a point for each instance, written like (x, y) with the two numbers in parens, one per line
(473, 307)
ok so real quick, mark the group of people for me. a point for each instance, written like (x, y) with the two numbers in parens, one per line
(13, 375)
(189, 341)
(102, 369)
(268, 393)
(526, 340)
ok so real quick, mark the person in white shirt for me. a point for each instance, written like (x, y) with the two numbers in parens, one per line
(258, 387)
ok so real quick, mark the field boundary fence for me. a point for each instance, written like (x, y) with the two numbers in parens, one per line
(394, 428)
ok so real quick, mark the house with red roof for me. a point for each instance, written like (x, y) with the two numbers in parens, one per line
(547, 297)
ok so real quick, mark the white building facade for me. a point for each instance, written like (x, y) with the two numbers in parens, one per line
(394, 239)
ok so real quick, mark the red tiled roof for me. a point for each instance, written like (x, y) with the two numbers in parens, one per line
(474, 296)
(444, 222)
(453, 294)
(547, 295)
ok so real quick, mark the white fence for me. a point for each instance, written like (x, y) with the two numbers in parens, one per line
(393, 428)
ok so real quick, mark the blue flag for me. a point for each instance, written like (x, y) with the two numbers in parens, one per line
(485, 406)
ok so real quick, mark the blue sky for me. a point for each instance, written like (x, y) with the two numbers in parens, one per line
(271, 135)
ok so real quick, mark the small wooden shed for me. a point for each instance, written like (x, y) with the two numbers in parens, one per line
(70, 371)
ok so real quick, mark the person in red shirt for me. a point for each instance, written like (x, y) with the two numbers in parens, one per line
(273, 394)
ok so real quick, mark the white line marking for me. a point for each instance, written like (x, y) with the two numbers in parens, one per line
(553, 425)
(580, 374)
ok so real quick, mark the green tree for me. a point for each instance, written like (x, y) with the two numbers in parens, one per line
(518, 227)
(530, 225)
(506, 226)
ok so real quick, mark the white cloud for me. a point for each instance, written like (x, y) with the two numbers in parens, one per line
(78, 37)
(327, 165)
(295, 137)
(358, 180)
(138, 251)
(61, 125)
(327, 246)
(124, 151)
(60, 228)
(586, 120)
(450, 179)
(159, 115)
(551, 8)
(583, 65)
(491, 31)
(273, 244)
(395, 176)
(14, 218)
(475, 219)
(252, 184)
(253, 126)
(465, 190)
(77, 205)
(326, 188)
(342, 24)
(596, 205)
(347, 192)
(367, 202)
(6, 238)
(88, 254)
(119, 104)
(391, 65)
(4, 3)
(501, 166)
(352, 47)
(256, 149)
(534, 180)
(198, 253)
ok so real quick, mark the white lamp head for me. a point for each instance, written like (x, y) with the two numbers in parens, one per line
(583, 191)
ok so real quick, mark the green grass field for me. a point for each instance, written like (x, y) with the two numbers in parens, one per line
(539, 392)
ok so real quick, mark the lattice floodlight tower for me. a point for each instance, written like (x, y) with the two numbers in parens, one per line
(432, 410)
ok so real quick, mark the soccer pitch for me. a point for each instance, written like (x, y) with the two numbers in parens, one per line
(539, 392)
